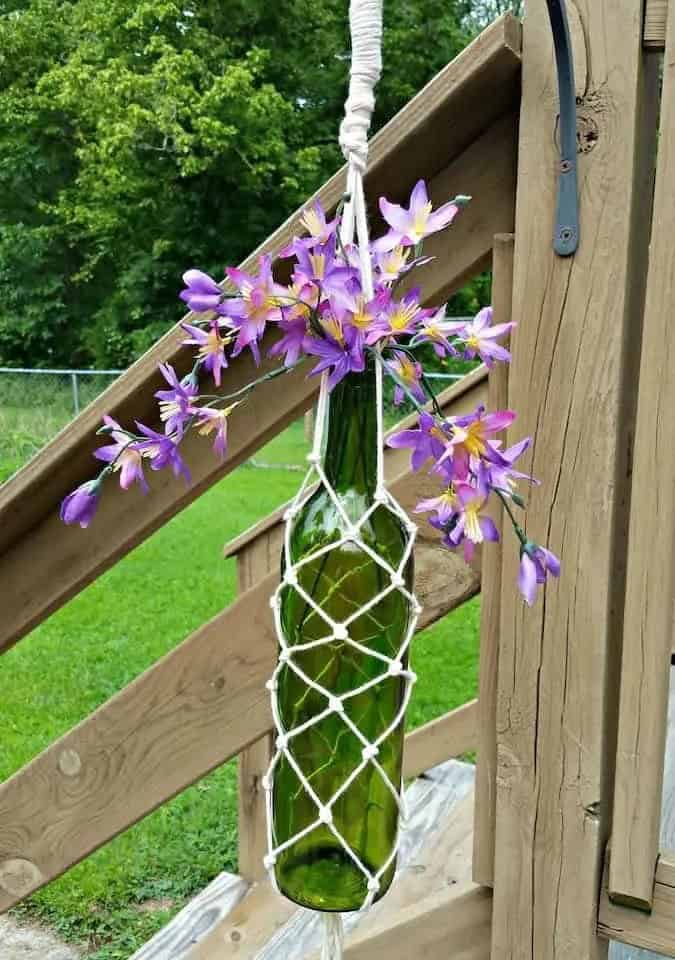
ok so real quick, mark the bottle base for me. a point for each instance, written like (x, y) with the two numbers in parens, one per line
(326, 879)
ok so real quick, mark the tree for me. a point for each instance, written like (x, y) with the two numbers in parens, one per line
(141, 137)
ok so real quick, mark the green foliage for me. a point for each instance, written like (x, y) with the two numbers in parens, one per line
(137, 139)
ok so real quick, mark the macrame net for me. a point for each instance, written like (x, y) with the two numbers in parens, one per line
(366, 31)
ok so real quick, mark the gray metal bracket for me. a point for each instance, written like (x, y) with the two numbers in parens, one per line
(566, 233)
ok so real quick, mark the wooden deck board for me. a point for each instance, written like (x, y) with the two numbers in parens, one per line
(435, 853)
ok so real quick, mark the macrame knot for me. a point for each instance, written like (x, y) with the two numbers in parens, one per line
(365, 19)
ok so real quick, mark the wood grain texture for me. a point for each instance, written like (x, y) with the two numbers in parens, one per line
(442, 739)
(650, 582)
(253, 764)
(655, 931)
(569, 383)
(435, 856)
(196, 920)
(42, 562)
(491, 585)
(656, 15)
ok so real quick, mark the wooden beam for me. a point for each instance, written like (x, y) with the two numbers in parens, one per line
(449, 736)
(656, 15)
(571, 382)
(655, 931)
(491, 585)
(650, 582)
(193, 710)
(42, 563)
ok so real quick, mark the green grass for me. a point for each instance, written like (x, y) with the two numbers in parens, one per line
(117, 628)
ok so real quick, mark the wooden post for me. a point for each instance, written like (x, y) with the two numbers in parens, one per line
(579, 322)
(650, 584)
(252, 566)
(491, 579)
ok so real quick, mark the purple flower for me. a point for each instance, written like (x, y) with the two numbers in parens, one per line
(123, 456)
(409, 372)
(409, 227)
(291, 344)
(471, 526)
(175, 404)
(211, 347)
(81, 505)
(535, 564)
(321, 267)
(202, 293)
(501, 474)
(259, 304)
(314, 221)
(215, 421)
(444, 506)
(398, 317)
(479, 338)
(436, 330)
(341, 353)
(471, 440)
(427, 443)
(162, 451)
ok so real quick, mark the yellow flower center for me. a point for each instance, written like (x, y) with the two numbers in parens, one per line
(407, 370)
(402, 316)
(420, 222)
(311, 223)
(471, 438)
(214, 344)
(473, 342)
(129, 456)
(333, 328)
(318, 262)
(472, 524)
(395, 260)
(361, 318)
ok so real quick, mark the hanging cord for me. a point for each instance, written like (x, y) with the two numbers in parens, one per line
(333, 936)
(366, 29)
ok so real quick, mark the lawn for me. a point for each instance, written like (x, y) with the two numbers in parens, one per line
(117, 628)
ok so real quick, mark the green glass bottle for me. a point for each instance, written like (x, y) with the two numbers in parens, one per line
(315, 870)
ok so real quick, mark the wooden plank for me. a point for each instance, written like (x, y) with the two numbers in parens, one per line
(655, 931)
(442, 739)
(195, 920)
(650, 582)
(253, 764)
(570, 381)
(491, 585)
(180, 719)
(656, 15)
(43, 563)
(255, 759)
(435, 854)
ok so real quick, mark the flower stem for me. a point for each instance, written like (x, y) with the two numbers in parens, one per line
(520, 533)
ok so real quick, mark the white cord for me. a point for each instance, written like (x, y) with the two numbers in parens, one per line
(365, 17)
(365, 24)
(333, 936)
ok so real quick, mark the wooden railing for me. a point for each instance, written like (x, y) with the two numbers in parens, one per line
(206, 702)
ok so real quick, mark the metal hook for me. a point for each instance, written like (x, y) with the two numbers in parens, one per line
(566, 235)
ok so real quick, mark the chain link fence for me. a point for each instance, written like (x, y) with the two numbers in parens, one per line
(36, 404)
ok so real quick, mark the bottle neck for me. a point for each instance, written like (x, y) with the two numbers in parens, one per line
(351, 450)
